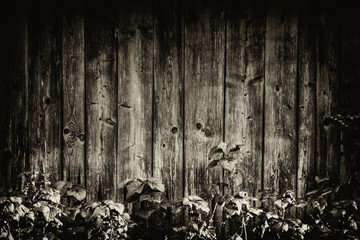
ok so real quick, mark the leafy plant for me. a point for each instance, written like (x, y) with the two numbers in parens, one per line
(148, 201)
(200, 224)
(37, 212)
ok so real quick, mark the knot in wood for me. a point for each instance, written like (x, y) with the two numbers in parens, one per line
(70, 132)
(174, 130)
(208, 133)
(81, 137)
(198, 126)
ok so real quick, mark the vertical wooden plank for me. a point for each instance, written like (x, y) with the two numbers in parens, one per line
(73, 55)
(45, 100)
(306, 90)
(280, 98)
(13, 84)
(245, 46)
(327, 92)
(204, 91)
(349, 85)
(135, 70)
(101, 99)
(168, 90)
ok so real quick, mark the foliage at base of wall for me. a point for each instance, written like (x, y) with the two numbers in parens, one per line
(59, 211)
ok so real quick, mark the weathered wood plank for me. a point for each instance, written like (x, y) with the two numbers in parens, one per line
(349, 99)
(135, 70)
(168, 90)
(101, 100)
(327, 93)
(306, 96)
(280, 98)
(245, 46)
(204, 91)
(13, 85)
(73, 55)
(45, 100)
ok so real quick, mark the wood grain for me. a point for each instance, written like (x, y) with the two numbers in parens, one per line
(13, 130)
(349, 99)
(45, 100)
(73, 55)
(245, 46)
(135, 105)
(101, 100)
(327, 93)
(168, 90)
(280, 98)
(307, 47)
(204, 94)
(204, 91)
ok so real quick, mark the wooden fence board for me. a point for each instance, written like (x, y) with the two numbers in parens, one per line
(204, 95)
(135, 70)
(280, 98)
(73, 55)
(45, 100)
(244, 90)
(349, 99)
(168, 90)
(101, 100)
(14, 92)
(327, 91)
(306, 90)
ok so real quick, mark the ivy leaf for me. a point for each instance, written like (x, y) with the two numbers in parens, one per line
(133, 187)
(45, 210)
(197, 202)
(100, 211)
(213, 163)
(218, 151)
(229, 165)
(78, 192)
(151, 197)
(155, 184)
(62, 186)
(118, 207)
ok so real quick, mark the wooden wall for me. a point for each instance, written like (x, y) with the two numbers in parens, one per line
(101, 92)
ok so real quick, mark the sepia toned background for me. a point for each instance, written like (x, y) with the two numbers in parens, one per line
(101, 92)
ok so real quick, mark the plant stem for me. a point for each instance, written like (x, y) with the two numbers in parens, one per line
(244, 227)
(213, 213)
